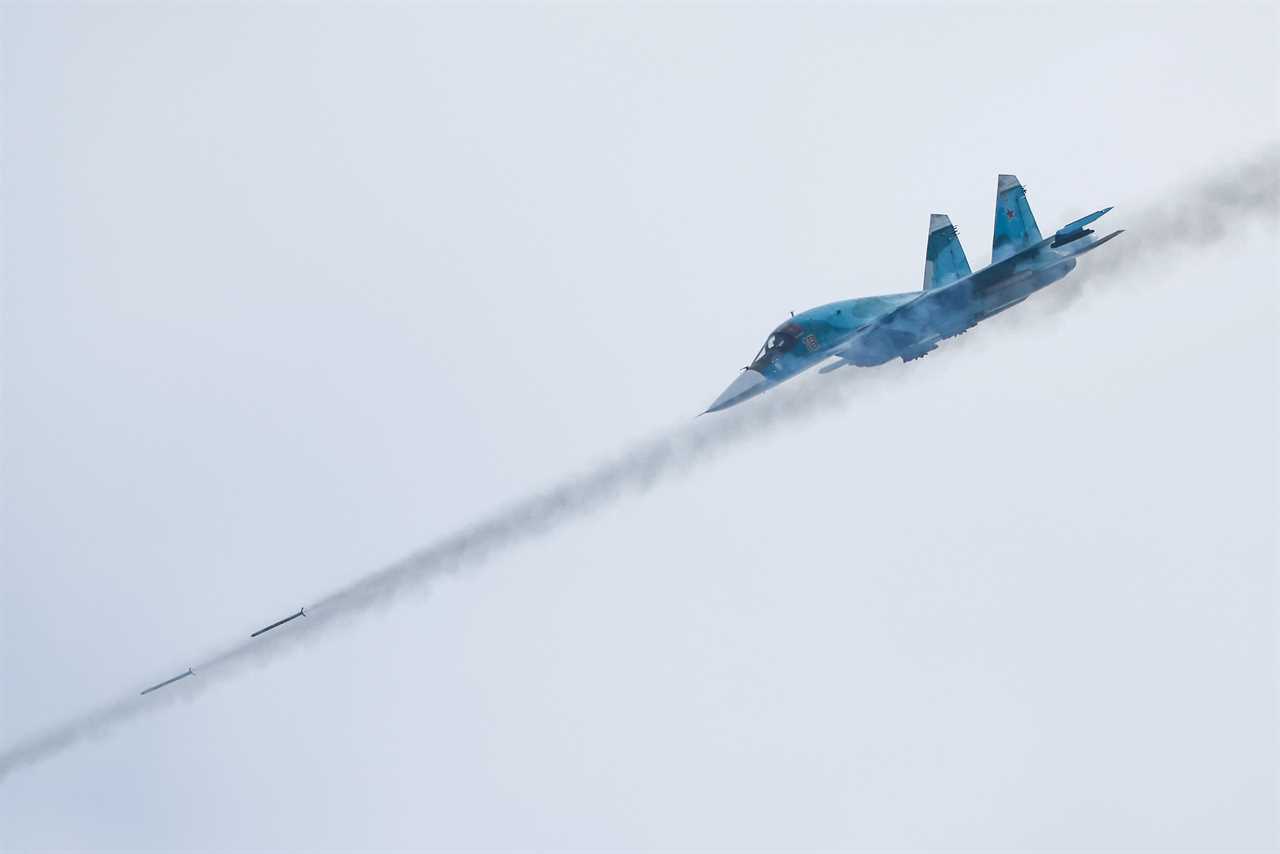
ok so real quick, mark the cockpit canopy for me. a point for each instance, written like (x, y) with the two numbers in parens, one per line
(781, 340)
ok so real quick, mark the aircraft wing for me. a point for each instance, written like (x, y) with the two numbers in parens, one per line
(914, 328)
(945, 310)
(926, 320)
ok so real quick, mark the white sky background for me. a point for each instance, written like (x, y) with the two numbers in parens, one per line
(290, 292)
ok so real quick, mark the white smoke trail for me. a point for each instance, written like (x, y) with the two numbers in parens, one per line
(1187, 220)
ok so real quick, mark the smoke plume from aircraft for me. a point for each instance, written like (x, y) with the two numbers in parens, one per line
(1188, 219)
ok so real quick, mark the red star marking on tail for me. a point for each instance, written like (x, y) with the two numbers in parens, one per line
(1008, 212)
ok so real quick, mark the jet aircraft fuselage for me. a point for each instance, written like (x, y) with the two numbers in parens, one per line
(873, 330)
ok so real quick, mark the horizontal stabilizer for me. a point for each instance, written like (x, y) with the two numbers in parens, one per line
(1092, 245)
(1076, 230)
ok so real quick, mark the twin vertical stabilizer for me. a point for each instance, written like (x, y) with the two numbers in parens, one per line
(944, 260)
(1015, 228)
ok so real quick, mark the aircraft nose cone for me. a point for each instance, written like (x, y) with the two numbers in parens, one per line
(748, 384)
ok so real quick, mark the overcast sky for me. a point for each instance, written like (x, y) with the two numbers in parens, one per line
(289, 292)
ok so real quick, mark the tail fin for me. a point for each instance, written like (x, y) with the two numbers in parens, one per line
(944, 260)
(1016, 228)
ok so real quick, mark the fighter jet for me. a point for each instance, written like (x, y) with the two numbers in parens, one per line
(873, 330)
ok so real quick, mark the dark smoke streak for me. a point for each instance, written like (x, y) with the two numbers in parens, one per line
(1188, 220)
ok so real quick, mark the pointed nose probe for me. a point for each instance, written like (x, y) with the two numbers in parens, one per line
(749, 383)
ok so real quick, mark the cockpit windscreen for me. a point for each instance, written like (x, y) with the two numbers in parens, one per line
(779, 342)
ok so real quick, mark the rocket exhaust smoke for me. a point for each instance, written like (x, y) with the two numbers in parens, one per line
(1188, 219)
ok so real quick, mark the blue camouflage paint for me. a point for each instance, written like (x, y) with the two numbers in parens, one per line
(944, 260)
(873, 330)
(1015, 227)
